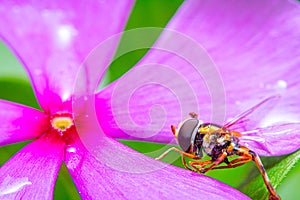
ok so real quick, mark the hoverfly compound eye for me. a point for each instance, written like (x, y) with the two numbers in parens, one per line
(187, 133)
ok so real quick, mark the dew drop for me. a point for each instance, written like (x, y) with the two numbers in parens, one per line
(73, 161)
(71, 149)
(281, 84)
(65, 34)
(66, 95)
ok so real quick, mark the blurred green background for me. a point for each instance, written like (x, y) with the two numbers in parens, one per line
(15, 86)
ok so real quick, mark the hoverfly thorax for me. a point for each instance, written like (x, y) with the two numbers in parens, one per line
(216, 139)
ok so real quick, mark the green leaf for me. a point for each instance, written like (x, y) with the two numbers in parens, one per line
(256, 188)
(155, 13)
(65, 187)
(18, 91)
(268, 163)
(6, 152)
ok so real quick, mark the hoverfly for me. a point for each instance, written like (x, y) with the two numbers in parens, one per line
(220, 143)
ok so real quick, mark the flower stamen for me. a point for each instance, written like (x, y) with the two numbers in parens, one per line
(62, 122)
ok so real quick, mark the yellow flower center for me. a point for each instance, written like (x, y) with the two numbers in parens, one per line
(61, 123)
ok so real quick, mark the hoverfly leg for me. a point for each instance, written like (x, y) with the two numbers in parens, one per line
(192, 168)
(272, 193)
(165, 153)
(246, 153)
(216, 162)
(235, 163)
(199, 166)
(177, 150)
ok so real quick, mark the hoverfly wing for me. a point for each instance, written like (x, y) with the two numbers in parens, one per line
(273, 140)
(251, 117)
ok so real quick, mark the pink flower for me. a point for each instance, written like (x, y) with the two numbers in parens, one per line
(51, 40)
(254, 48)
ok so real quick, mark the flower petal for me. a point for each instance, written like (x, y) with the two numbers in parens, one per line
(53, 38)
(19, 123)
(105, 169)
(32, 172)
(273, 140)
(254, 58)
(123, 173)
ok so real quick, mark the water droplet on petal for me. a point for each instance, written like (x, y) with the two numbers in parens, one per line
(281, 84)
(73, 161)
(71, 149)
(73, 157)
(65, 34)
(66, 95)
